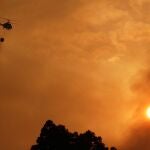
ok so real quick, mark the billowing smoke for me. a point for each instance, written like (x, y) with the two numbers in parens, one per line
(74, 62)
(137, 136)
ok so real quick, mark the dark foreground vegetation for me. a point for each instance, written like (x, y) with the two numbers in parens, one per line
(57, 137)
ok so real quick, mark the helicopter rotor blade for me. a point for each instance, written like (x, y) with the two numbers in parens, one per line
(5, 18)
(10, 20)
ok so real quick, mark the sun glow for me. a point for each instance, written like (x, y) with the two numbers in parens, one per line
(148, 112)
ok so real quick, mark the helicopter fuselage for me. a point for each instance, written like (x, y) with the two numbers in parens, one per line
(6, 25)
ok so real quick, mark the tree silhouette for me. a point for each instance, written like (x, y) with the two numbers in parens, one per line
(57, 137)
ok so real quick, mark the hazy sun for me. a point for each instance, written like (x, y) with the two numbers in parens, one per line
(148, 112)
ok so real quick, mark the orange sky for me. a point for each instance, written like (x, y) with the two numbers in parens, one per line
(81, 63)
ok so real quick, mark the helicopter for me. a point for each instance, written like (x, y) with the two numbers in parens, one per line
(7, 25)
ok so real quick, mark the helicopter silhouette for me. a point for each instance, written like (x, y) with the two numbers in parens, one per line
(7, 25)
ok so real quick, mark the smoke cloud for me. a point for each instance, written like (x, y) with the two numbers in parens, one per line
(81, 63)
(137, 136)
